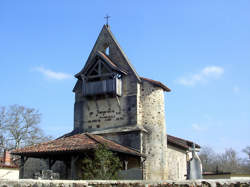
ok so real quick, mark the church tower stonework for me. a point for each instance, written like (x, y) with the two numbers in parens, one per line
(152, 112)
(113, 101)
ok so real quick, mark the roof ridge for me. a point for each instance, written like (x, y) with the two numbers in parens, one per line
(113, 40)
(157, 83)
(123, 54)
(92, 136)
(78, 142)
(110, 62)
(180, 140)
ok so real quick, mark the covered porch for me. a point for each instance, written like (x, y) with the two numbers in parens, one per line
(70, 150)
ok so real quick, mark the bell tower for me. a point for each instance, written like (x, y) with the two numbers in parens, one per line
(106, 89)
(112, 100)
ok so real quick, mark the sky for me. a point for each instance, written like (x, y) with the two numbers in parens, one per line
(199, 49)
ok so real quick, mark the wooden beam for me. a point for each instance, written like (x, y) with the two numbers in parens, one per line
(99, 67)
(73, 166)
(102, 75)
(106, 66)
(66, 163)
(93, 69)
(51, 162)
(21, 167)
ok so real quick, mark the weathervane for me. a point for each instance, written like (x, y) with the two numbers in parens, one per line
(107, 18)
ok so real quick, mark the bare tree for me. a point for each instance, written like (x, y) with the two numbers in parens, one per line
(229, 161)
(19, 127)
(247, 151)
(208, 158)
(246, 161)
(2, 122)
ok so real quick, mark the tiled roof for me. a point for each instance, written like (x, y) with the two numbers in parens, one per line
(4, 165)
(74, 143)
(8, 166)
(157, 83)
(173, 140)
(185, 144)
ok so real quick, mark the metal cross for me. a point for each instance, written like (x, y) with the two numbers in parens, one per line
(107, 18)
(193, 149)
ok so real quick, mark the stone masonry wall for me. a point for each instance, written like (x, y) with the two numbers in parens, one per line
(99, 114)
(105, 40)
(94, 114)
(128, 139)
(177, 163)
(139, 183)
(152, 112)
(34, 165)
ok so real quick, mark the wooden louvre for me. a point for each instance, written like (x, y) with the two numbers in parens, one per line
(102, 87)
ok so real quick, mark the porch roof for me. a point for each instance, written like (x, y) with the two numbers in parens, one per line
(75, 143)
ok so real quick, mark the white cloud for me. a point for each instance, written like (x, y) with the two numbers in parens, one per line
(52, 74)
(198, 127)
(206, 74)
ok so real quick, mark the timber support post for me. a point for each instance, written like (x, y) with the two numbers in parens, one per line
(73, 166)
(21, 169)
(67, 166)
(51, 163)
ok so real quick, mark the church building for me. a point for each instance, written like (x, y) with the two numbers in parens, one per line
(117, 107)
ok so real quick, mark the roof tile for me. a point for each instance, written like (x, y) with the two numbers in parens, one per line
(157, 83)
(186, 144)
(77, 142)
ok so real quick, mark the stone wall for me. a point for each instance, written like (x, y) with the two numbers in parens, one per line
(34, 165)
(129, 139)
(105, 40)
(177, 163)
(152, 112)
(69, 183)
(105, 112)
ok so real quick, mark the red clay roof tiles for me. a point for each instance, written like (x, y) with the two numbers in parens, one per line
(77, 143)
(8, 166)
(185, 144)
(157, 83)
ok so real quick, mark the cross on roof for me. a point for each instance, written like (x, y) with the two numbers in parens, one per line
(193, 149)
(107, 18)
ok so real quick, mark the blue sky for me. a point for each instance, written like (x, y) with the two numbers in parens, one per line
(200, 49)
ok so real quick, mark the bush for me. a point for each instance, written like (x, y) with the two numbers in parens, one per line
(103, 165)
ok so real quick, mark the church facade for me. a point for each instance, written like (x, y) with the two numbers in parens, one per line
(113, 102)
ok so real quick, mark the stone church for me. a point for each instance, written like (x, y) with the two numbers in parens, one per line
(116, 107)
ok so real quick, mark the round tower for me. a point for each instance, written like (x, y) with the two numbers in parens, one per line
(153, 120)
